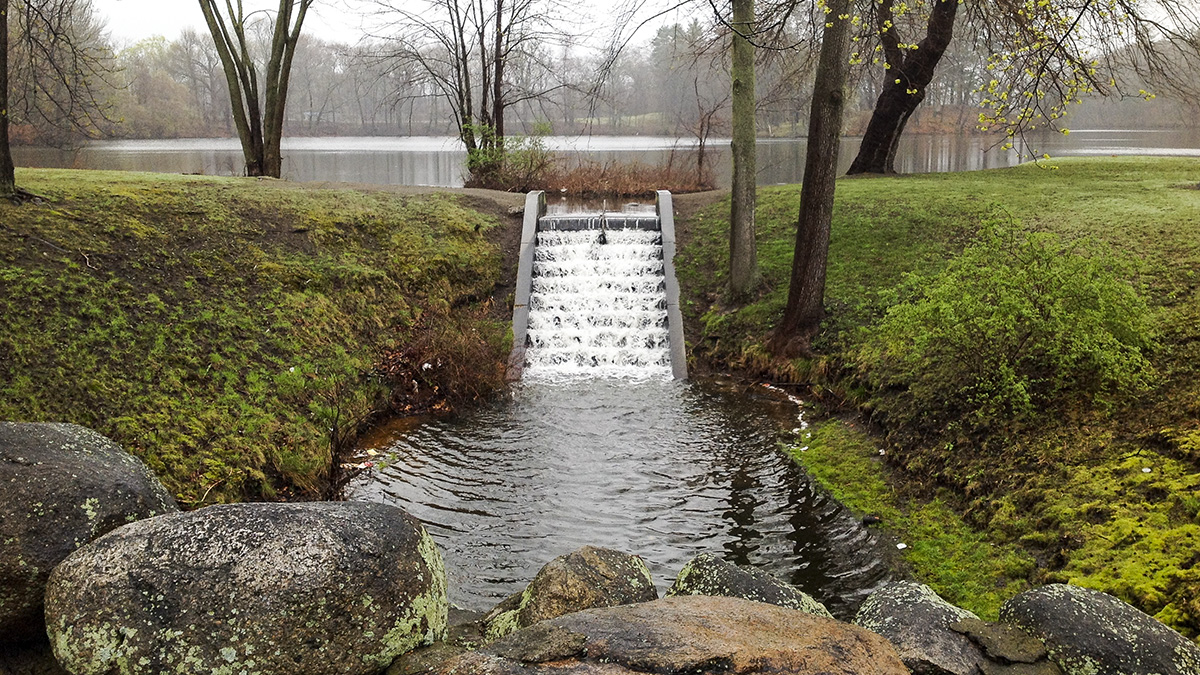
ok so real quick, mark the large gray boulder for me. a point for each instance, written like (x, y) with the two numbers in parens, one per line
(63, 485)
(583, 579)
(692, 635)
(707, 574)
(318, 588)
(1092, 633)
(918, 622)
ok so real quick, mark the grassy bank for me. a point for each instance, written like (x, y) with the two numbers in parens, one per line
(1102, 488)
(233, 332)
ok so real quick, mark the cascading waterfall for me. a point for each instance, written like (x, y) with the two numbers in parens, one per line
(605, 443)
(598, 305)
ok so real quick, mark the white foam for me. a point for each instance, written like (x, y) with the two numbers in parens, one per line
(598, 310)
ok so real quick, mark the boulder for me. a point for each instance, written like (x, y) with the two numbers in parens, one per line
(1010, 650)
(34, 658)
(319, 588)
(914, 619)
(1091, 632)
(63, 486)
(707, 574)
(696, 635)
(465, 634)
(586, 578)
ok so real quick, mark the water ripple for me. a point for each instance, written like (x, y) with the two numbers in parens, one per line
(661, 469)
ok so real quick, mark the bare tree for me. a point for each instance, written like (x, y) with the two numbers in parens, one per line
(465, 51)
(61, 68)
(8, 179)
(258, 114)
(806, 293)
(319, 79)
(195, 63)
(1041, 57)
(746, 32)
(743, 255)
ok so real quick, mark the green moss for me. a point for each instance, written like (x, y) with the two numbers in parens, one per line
(508, 621)
(959, 563)
(426, 618)
(219, 328)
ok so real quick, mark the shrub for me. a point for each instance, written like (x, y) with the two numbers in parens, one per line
(513, 163)
(1018, 323)
(524, 163)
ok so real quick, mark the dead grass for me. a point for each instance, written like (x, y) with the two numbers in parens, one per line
(619, 179)
(592, 180)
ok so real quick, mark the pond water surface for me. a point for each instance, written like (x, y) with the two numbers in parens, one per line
(440, 161)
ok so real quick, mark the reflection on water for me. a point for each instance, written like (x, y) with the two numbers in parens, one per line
(441, 161)
(661, 469)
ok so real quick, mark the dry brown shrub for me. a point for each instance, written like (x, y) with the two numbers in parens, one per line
(451, 358)
(592, 179)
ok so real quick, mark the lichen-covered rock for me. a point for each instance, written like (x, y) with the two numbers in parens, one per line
(1009, 650)
(914, 619)
(465, 634)
(707, 574)
(586, 578)
(696, 635)
(1001, 642)
(320, 588)
(63, 485)
(1092, 633)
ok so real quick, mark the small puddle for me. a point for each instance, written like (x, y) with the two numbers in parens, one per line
(661, 469)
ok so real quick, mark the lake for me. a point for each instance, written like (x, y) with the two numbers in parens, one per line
(439, 161)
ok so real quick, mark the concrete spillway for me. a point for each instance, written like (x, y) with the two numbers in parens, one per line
(597, 296)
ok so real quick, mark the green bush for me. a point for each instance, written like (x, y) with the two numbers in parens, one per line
(512, 163)
(1018, 323)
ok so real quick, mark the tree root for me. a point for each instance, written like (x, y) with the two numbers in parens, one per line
(22, 196)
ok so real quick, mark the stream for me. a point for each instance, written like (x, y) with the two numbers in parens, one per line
(653, 467)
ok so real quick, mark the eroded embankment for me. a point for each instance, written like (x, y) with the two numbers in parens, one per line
(233, 333)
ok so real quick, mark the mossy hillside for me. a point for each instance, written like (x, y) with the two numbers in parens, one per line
(1043, 485)
(225, 330)
(957, 561)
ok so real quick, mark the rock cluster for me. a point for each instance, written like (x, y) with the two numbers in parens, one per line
(937, 638)
(95, 556)
(130, 585)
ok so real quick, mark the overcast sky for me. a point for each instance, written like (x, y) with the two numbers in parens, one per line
(134, 20)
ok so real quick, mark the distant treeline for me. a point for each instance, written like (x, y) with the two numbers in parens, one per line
(676, 83)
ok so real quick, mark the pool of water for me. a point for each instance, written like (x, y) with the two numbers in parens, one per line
(657, 468)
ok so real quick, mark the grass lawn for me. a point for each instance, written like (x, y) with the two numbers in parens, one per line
(1103, 494)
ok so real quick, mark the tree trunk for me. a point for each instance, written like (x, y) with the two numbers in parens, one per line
(910, 73)
(8, 181)
(498, 59)
(234, 82)
(743, 257)
(806, 294)
(279, 70)
(260, 131)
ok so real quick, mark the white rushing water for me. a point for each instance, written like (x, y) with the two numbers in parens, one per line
(598, 309)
